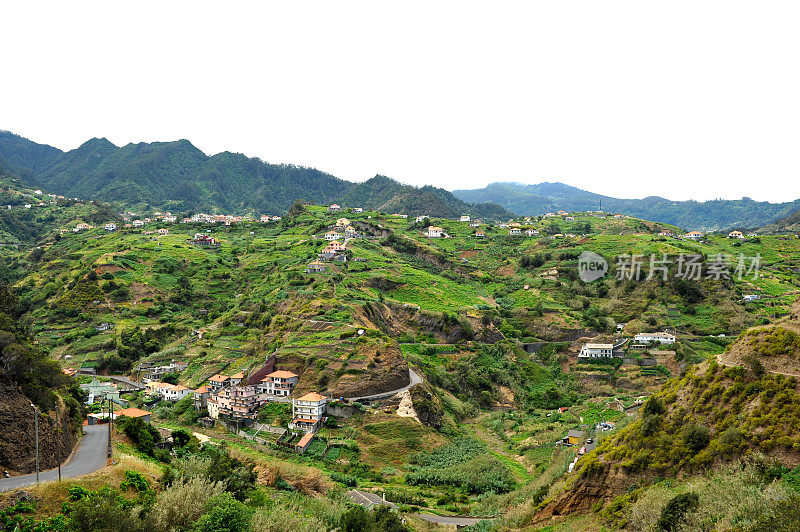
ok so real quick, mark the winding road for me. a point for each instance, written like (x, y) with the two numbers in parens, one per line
(414, 379)
(90, 456)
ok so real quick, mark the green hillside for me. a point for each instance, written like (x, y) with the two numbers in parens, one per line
(491, 324)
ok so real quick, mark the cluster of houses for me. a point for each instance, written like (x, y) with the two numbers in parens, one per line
(590, 351)
(235, 399)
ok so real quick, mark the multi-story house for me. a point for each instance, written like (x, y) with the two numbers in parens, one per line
(308, 412)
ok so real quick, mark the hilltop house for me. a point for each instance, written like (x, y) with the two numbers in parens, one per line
(218, 381)
(435, 232)
(475, 223)
(110, 227)
(358, 210)
(81, 227)
(334, 208)
(532, 232)
(596, 351)
(735, 234)
(660, 337)
(316, 267)
(241, 403)
(550, 215)
(464, 218)
(694, 235)
(332, 235)
(421, 218)
(349, 231)
(480, 234)
(308, 411)
(200, 397)
(176, 393)
(137, 223)
(516, 231)
(162, 231)
(278, 383)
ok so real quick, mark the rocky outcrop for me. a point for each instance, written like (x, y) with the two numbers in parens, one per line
(17, 433)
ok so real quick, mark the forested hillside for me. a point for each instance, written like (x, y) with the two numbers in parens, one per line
(532, 200)
(179, 177)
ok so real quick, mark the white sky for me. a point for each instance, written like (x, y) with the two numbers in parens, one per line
(694, 99)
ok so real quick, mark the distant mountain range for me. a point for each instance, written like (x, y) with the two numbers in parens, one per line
(531, 200)
(180, 177)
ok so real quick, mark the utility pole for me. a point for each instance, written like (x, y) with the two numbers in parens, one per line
(58, 442)
(110, 418)
(36, 429)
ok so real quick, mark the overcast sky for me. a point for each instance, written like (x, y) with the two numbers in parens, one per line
(688, 100)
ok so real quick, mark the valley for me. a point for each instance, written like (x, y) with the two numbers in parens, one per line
(484, 326)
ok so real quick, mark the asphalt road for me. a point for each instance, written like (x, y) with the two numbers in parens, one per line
(88, 458)
(450, 520)
(414, 379)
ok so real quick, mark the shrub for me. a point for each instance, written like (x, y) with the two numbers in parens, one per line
(182, 504)
(697, 437)
(223, 513)
(676, 509)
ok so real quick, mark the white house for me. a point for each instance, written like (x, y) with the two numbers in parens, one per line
(358, 209)
(308, 411)
(138, 223)
(334, 208)
(516, 231)
(435, 232)
(421, 218)
(475, 223)
(333, 235)
(464, 218)
(694, 235)
(279, 383)
(735, 234)
(532, 232)
(660, 337)
(596, 351)
(176, 393)
(81, 227)
(110, 227)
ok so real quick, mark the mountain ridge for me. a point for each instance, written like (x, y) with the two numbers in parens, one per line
(178, 176)
(537, 199)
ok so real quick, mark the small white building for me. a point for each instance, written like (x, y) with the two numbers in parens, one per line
(435, 232)
(736, 234)
(660, 337)
(422, 218)
(694, 235)
(596, 351)
(110, 227)
(138, 223)
(516, 231)
(532, 232)
(464, 218)
(334, 208)
(332, 235)
(176, 393)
